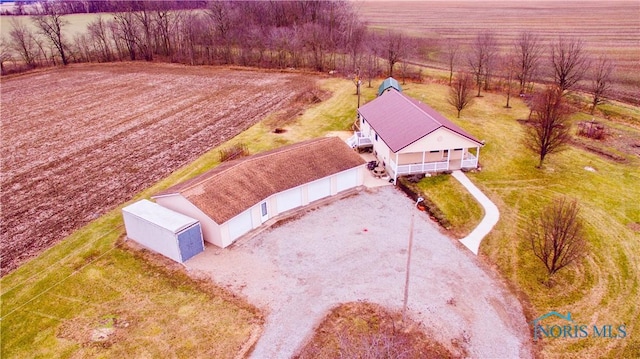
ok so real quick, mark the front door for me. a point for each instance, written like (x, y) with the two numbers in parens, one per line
(264, 212)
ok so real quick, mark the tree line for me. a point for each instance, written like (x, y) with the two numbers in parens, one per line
(316, 35)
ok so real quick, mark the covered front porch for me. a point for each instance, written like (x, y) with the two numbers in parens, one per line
(432, 161)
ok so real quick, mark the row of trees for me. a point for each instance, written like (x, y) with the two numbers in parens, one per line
(319, 35)
(565, 63)
(313, 34)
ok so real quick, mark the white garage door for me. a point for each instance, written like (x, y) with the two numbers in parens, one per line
(347, 179)
(289, 199)
(319, 189)
(240, 224)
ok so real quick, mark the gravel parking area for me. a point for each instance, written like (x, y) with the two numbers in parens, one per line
(356, 249)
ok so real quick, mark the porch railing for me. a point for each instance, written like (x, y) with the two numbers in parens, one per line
(358, 139)
(469, 161)
(419, 167)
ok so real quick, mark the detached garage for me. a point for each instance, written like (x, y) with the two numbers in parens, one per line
(239, 196)
(169, 233)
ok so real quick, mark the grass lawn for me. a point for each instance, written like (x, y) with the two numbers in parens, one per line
(458, 206)
(55, 305)
(603, 288)
(52, 304)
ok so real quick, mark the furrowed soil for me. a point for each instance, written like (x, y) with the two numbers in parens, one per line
(608, 28)
(78, 141)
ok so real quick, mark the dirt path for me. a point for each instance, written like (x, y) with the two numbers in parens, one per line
(355, 249)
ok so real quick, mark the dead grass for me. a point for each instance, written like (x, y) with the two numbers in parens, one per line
(367, 330)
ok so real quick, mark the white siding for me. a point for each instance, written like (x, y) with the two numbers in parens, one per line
(289, 199)
(156, 227)
(211, 231)
(319, 189)
(239, 225)
(347, 179)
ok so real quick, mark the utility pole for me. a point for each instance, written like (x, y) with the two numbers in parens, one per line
(358, 82)
(410, 247)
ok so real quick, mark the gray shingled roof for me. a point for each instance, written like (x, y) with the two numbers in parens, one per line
(400, 120)
(232, 187)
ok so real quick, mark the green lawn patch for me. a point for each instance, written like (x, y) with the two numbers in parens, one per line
(448, 203)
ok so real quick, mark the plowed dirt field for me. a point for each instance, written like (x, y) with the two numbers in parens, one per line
(78, 141)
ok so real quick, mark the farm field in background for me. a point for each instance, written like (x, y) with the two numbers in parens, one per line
(81, 140)
(610, 28)
(604, 287)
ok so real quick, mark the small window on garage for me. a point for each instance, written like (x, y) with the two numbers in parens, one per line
(376, 136)
(263, 208)
(458, 149)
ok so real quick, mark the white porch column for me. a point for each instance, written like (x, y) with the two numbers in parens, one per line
(395, 172)
(462, 157)
(477, 156)
(423, 155)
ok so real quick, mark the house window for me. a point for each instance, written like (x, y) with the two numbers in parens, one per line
(263, 208)
(458, 149)
(376, 136)
(445, 153)
(434, 151)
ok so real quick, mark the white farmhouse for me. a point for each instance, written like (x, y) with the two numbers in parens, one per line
(409, 137)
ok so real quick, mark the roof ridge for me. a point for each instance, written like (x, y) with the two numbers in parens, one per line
(411, 101)
(255, 157)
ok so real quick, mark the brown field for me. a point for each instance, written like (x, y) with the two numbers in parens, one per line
(81, 140)
(610, 28)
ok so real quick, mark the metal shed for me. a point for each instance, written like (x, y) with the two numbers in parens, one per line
(388, 83)
(169, 233)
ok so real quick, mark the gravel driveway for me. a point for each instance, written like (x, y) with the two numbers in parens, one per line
(355, 249)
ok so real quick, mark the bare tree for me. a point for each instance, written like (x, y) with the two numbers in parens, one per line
(23, 42)
(125, 30)
(569, 62)
(549, 124)
(452, 48)
(408, 50)
(5, 53)
(393, 47)
(557, 236)
(50, 22)
(372, 59)
(529, 50)
(98, 31)
(509, 67)
(481, 58)
(356, 36)
(460, 93)
(601, 82)
(220, 15)
(145, 22)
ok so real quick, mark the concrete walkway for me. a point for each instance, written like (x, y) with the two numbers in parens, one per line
(491, 213)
